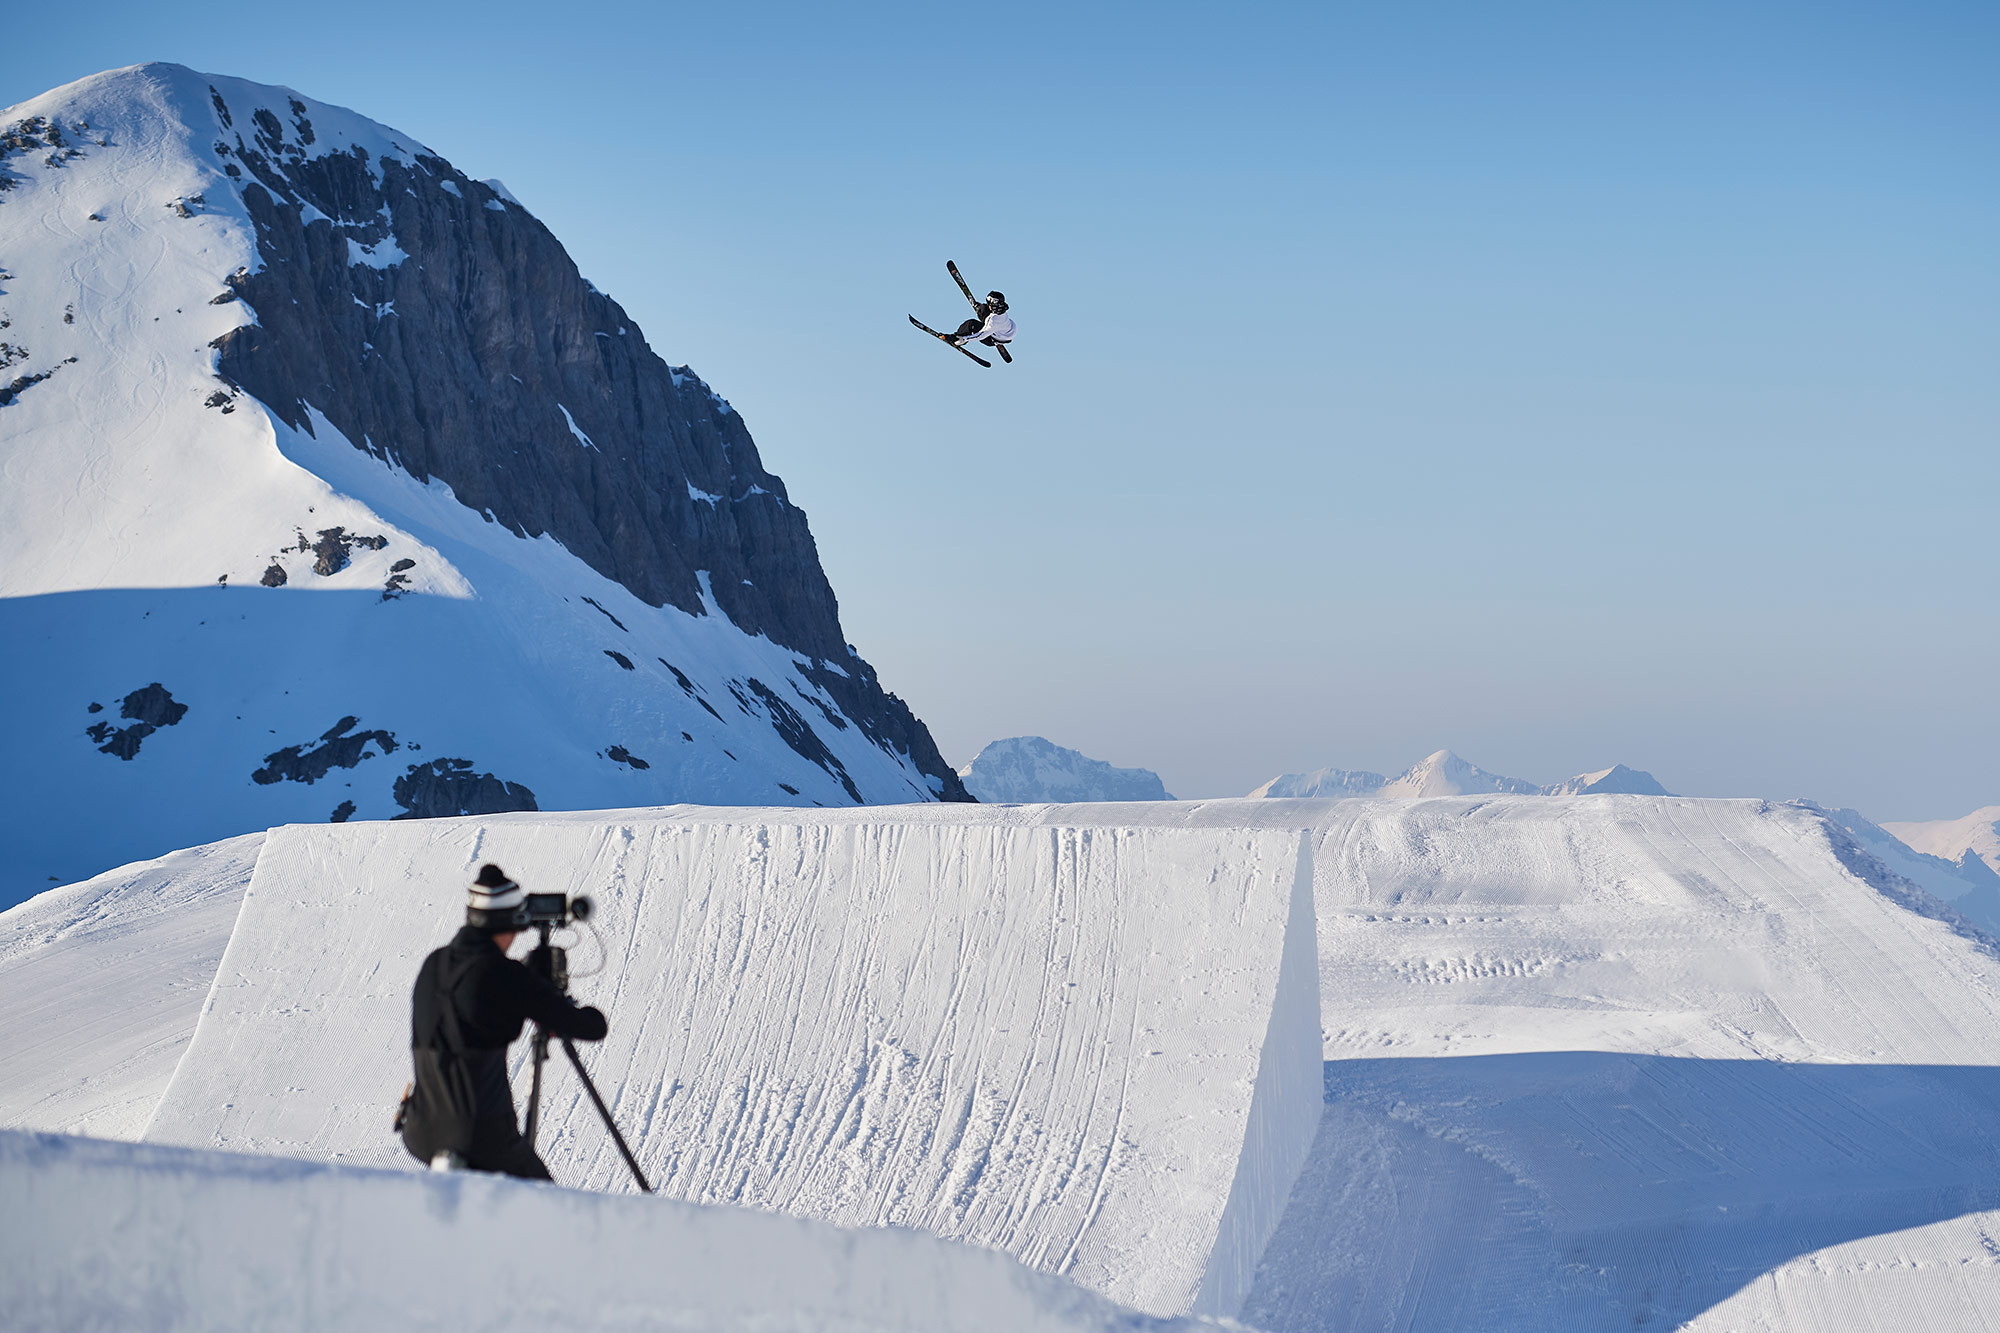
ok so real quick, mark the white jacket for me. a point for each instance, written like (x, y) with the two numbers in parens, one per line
(998, 326)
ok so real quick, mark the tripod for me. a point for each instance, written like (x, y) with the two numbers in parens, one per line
(552, 962)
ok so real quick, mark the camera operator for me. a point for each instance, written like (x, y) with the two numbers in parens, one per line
(469, 1004)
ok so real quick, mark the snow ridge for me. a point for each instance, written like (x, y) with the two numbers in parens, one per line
(1445, 774)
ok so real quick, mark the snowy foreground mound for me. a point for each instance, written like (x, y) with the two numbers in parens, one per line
(215, 1240)
(1573, 1062)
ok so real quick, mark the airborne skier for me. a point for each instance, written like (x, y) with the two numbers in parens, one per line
(992, 326)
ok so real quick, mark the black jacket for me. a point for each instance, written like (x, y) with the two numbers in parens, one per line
(493, 997)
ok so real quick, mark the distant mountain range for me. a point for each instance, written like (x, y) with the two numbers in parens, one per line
(1026, 769)
(1445, 774)
(1965, 880)
(1977, 833)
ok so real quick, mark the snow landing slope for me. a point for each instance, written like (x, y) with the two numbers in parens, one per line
(119, 1236)
(329, 489)
(1584, 1062)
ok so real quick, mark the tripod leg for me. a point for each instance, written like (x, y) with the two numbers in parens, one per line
(569, 1049)
(539, 1050)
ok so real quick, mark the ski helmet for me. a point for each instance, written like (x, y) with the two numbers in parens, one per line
(996, 300)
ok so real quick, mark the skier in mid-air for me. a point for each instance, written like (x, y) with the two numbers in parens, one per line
(992, 326)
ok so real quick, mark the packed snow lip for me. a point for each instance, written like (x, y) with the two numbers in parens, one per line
(256, 1242)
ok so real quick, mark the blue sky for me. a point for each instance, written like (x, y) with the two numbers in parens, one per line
(1565, 384)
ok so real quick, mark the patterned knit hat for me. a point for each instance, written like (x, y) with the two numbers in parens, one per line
(495, 903)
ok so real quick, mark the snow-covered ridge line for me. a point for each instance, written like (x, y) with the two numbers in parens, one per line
(1445, 774)
(232, 1241)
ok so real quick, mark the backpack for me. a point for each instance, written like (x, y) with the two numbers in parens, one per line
(438, 1109)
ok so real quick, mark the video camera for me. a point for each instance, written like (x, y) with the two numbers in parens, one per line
(550, 910)
(547, 912)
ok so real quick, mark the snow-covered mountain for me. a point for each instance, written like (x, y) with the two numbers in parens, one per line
(329, 489)
(1977, 833)
(1445, 774)
(1326, 783)
(1965, 881)
(1615, 780)
(1029, 768)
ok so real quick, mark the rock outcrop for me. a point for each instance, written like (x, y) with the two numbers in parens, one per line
(440, 325)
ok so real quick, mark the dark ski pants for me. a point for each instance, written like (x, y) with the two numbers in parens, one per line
(497, 1146)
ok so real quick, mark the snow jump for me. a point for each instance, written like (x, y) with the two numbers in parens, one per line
(992, 326)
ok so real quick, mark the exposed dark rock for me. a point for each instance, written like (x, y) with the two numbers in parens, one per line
(606, 614)
(786, 786)
(692, 693)
(339, 746)
(223, 299)
(154, 706)
(619, 754)
(333, 546)
(274, 577)
(341, 813)
(446, 787)
(619, 658)
(796, 732)
(149, 709)
(493, 329)
(834, 719)
(401, 565)
(888, 722)
(9, 392)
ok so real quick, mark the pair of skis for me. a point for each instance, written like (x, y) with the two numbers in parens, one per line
(948, 339)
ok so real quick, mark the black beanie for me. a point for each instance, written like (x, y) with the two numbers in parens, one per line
(495, 903)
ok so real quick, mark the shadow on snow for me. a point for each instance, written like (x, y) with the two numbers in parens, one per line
(1595, 1190)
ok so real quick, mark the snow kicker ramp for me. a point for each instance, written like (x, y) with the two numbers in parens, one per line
(1097, 1049)
(101, 984)
(120, 1237)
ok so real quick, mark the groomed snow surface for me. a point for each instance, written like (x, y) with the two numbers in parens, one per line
(1570, 1062)
(217, 1240)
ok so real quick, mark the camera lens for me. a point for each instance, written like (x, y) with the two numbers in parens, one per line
(581, 907)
